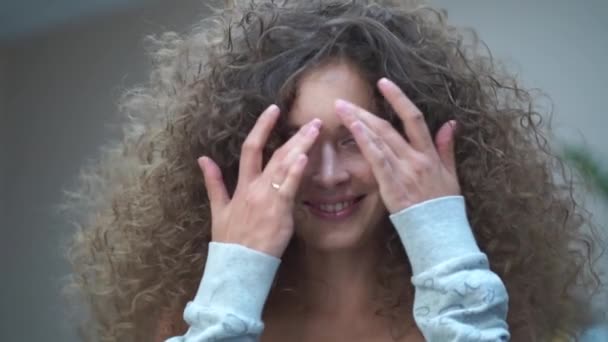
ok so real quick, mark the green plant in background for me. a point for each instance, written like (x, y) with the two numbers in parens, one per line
(591, 170)
(597, 178)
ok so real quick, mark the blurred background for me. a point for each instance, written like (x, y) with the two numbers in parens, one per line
(64, 64)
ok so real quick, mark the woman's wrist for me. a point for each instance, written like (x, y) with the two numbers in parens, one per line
(236, 279)
(435, 231)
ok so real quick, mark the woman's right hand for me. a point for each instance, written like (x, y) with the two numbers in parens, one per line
(259, 216)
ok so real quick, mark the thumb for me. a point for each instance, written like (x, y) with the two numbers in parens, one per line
(216, 190)
(444, 140)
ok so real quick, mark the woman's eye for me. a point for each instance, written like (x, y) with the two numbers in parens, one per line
(349, 141)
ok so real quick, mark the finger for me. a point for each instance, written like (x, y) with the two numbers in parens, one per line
(414, 124)
(373, 149)
(300, 143)
(445, 145)
(290, 185)
(349, 113)
(251, 152)
(216, 190)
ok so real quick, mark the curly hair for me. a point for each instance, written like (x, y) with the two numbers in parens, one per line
(141, 208)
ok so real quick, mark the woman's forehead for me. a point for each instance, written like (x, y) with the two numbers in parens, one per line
(319, 89)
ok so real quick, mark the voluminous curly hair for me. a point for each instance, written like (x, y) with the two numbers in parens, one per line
(142, 210)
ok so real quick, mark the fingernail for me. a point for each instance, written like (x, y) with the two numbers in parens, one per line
(203, 160)
(312, 130)
(385, 82)
(343, 107)
(273, 109)
(316, 123)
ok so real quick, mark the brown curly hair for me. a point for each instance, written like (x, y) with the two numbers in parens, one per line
(142, 212)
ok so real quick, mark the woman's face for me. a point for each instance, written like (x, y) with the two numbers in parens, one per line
(338, 204)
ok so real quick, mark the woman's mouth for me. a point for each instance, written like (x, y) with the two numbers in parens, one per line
(338, 210)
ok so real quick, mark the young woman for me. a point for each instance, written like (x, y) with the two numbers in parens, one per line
(363, 175)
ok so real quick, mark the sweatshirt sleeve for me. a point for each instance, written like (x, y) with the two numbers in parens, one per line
(229, 302)
(457, 296)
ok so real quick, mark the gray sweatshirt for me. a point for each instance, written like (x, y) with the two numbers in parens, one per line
(457, 296)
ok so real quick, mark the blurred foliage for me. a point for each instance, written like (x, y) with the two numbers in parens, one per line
(590, 168)
(596, 178)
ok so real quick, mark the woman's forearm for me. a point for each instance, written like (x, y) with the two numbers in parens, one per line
(228, 304)
(458, 297)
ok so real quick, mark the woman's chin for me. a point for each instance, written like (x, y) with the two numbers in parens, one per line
(335, 238)
(346, 230)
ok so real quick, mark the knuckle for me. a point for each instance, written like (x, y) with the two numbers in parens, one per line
(254, 196)
(282, 168)
(250, 145)
(417, 116)
(284, 196)
(378, 142)
(386, 165)
(380, 158)
(422, 165)
(385, 126)
(253, 193)
(295, 168)
(279, 153)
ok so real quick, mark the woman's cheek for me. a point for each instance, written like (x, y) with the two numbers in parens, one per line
(361, 169)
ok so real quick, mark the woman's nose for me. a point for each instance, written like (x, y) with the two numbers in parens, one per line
(326, 168)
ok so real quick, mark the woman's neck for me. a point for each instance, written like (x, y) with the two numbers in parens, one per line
(340, 283)
(337, 290)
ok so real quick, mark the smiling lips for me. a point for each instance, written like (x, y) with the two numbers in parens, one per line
(339, 208)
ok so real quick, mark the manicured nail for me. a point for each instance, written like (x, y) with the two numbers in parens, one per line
(386, 83)
(316, 123)
(203, 162)
(313, 128)
(312, 131)
(273, 109)
(344, 107)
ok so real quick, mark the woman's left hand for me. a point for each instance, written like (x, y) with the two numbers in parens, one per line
(407, 172)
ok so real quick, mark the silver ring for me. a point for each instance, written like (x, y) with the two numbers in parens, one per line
(275, 185)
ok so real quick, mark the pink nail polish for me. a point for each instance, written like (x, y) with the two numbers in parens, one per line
(317, 123)
(343, 106)
(386, 83)
(312, 130)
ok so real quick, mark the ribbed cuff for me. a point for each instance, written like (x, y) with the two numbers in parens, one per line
(237, 280)
(434, 231)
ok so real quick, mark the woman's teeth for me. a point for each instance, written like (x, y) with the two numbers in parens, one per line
(334, 208)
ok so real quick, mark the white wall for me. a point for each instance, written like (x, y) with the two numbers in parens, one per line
(61, 90)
